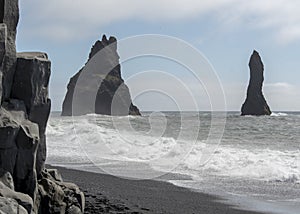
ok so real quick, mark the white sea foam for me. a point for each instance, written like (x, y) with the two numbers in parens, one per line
(82, 138)
(263, 164)
(258, 157)
(90, 141)
(279, 114)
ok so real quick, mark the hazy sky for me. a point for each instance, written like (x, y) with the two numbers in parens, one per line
(225, 31)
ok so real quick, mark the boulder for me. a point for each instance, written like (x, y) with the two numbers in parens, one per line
(7, 179)
(6, 190)
(98, 87)
(11, 206)
(56, 196)
(256, 103)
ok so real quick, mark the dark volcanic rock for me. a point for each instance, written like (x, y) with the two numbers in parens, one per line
(31, 79)
(9, 16)
(56, 195)
(23, 146)
(25, 185)
(3, 36)
(255, 103)
(98, 87)
(31, 85)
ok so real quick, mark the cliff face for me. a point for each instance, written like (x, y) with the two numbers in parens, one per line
(112, 96)
(255, 103)
(25, 185)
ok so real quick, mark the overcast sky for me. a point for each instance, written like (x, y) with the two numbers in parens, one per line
(225, 31)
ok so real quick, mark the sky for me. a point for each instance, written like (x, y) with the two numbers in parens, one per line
(224, 31)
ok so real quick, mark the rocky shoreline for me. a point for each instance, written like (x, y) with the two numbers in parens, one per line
(26, 186)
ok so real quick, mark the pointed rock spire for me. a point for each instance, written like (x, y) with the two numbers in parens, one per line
(255, 103)
(112, 95)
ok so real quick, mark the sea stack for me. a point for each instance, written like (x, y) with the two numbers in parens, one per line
(26, 186)
(255, 103)
(98, 87)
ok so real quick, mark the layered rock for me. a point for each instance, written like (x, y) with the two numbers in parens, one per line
(9, 17)
(256, 103)
(3, 38)
(98, 87)
(31, 85)
(25, 185)
(21, 139)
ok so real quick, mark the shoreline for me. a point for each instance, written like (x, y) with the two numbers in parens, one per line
(108, 194)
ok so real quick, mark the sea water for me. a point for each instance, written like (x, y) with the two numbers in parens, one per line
(254, 163)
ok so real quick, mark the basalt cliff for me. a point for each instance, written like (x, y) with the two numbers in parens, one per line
(98, 87)
(26, 186)
(256, 103)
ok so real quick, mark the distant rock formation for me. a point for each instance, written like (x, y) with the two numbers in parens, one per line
(104, 85)
(25, 185)
(255, 103)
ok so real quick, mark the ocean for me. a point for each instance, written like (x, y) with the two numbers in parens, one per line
(251, 162)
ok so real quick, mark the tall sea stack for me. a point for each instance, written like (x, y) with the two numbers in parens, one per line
(101, 89)
(255, 103)
(26, 186)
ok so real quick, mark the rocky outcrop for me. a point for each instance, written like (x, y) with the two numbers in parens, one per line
(7, 190)
(11, 206)
(31, 86)
(101, 89)
(56, 196)
(9, 16)
(24, 112)
(255, 103)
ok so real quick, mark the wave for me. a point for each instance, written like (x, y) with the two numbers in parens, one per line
(261, 164)
(279, 114)
(98, 141)
(110, 116)
(79, 139)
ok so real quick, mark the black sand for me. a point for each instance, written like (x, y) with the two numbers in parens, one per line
(109, 194)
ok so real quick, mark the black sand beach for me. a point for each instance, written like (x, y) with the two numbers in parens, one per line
(109, 194)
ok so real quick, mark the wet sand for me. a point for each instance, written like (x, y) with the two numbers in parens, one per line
(109, 194)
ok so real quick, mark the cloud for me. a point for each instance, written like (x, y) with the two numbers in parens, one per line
(281, 16)
(283, 96)
(280, 96)
(74, 19)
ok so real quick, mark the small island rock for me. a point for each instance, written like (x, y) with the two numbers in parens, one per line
(101, 89)
(256, 103)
